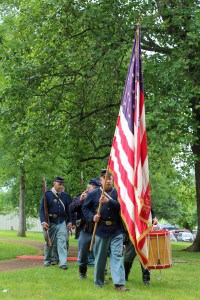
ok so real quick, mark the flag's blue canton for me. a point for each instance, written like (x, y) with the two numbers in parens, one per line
(134, 75)
(128, 99)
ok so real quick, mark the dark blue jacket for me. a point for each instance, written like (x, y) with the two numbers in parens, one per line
(55, 207)
(76, 207)
(109, 212)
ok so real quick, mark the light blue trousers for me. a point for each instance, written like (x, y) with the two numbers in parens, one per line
(101, 247)
(84, 256)
(58, 235)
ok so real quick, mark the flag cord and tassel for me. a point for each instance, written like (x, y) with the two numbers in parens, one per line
(99, 208)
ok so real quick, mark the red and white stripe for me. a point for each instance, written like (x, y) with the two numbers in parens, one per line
(129, 164)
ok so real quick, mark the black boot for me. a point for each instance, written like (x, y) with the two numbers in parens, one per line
(127, 267)
(145, 276)
(82, 272)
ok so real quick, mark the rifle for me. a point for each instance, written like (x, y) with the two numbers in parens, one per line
(46, 215)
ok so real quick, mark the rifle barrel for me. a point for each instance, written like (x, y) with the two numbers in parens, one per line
(46, 215)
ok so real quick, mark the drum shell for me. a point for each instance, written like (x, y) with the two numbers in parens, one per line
(159, 250)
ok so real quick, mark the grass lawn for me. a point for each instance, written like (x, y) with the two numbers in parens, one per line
(30, 236)
(14, 249)
(181, 281)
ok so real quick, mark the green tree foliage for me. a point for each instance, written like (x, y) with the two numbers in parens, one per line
(64, 65)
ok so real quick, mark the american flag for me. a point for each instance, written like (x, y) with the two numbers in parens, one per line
(129, 159)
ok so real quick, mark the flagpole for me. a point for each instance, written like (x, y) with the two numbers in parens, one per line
(99, 208)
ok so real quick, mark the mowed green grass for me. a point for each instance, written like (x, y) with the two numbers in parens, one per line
(11, 250)
(30, 236)
(181, 281)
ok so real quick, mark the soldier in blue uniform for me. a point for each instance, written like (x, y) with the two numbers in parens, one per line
(108, 236)
(60, 220)
(55, 258)
(85, 228)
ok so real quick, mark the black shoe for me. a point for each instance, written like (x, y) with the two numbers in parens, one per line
(146, 282)
(63, 267)
(145, 276)
(54, 263)
(48, 265)
(121, 288)
(82, 272)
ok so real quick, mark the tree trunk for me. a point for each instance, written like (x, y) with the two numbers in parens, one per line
(22, 218)
(195, 247)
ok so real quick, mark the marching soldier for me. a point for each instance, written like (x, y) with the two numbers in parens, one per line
(108, 234)
(85, 228)
(59, 218)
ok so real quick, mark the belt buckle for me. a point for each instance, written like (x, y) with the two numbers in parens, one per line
(54, 216)
(108, 223)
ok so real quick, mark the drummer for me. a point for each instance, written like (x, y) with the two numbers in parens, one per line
(130, 254)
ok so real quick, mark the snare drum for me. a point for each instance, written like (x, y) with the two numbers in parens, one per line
(159, 249)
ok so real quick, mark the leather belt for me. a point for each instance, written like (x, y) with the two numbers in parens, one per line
(108, 223)
(55, 216)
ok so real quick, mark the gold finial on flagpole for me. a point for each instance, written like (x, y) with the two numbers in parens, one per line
(140, 18)
(138, 26)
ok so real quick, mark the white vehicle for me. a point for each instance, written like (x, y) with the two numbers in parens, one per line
(185, 237)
